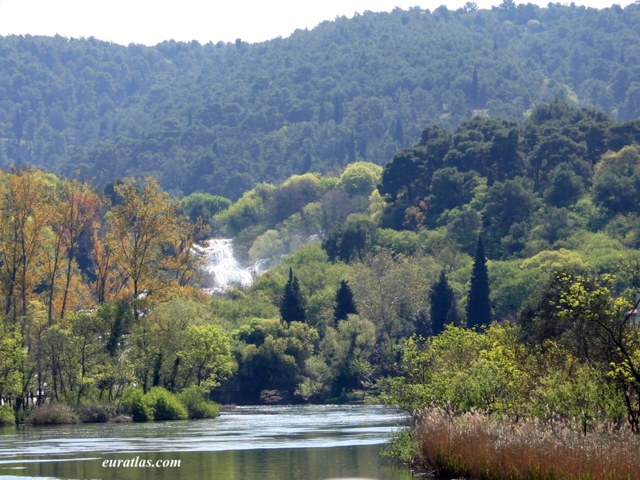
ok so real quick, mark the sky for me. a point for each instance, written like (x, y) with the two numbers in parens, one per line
(150, 22)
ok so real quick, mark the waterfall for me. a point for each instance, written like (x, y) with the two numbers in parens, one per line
(221, 269)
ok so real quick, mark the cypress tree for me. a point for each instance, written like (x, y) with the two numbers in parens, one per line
(443, 305)
(344, 302)
(478, 304)
(292, 305)
(474, 88)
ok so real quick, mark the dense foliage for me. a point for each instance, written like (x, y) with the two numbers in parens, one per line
(101, 303)
(394, 243)
(99, 293)
(218, 118)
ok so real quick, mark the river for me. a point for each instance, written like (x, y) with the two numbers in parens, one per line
(269, 443)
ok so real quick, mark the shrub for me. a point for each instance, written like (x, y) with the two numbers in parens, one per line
(7, 416)
(197, 405)
(96, 413)
(54, 414)
(134, 404)
(402, 447)
(165, 404)
(157, 404)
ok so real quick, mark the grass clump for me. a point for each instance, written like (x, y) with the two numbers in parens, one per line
(7, 415)
(197, 405)
(54, 414)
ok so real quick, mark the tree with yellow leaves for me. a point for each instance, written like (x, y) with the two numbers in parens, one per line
(143, 227)
(24, 212)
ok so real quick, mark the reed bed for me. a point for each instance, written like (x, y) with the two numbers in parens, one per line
(476, 446)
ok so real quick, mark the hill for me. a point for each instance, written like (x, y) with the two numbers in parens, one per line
(218, 118)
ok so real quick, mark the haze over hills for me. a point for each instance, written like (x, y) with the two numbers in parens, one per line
(220, 117)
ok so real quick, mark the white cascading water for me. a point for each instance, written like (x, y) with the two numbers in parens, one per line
(221, 269)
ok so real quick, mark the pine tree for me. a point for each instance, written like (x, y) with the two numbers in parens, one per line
(478, 304)
(443, 305)
(292, 306)
(344, 302)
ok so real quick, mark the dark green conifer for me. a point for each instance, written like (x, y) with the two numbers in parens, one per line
(443, 305)
(478, 304)
(345, 304)
(292, 305)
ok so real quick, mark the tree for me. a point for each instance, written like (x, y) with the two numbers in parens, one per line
(616, 180)
(140, 227)
(73, 214)
(346, 350)
(478, 304)
(352, 240)
(442, 305)
(582, 314)
(13, 355)
(203, 206)
(390, 293)
(360, 178)
(292, 304)
(207, 356)
(345, 305)
(24, 212)
(508, 205)
(273, 356)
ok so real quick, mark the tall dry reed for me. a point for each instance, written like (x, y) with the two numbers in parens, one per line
(477, 446)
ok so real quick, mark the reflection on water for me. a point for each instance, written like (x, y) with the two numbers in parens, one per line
(289, 442)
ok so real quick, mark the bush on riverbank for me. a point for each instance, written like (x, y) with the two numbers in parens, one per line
(54, 414)
(197, 406)
(157, 404)
(134, 405)
(477, 446)
(7, 416)
(165, 405)
(96, 413)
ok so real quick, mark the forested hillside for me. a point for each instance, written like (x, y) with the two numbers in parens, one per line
(219, 118)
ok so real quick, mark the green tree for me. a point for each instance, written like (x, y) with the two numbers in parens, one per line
(478, 303)
(583, 315)
(442, 305)
(203, 206)
(616, 181)
(13, 355)
(352, 240)
(347, 350)
(207, 356)
(272, 357)
(360, 178)
(389, 291)
(345, 305)
(292, 308)
(462, 370)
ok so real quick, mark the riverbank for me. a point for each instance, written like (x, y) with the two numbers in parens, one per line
(135, 405)
(474, 445)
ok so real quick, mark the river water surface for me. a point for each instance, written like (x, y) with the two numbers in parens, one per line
(271, 443)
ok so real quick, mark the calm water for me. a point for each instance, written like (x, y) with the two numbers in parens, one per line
(271, 443)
